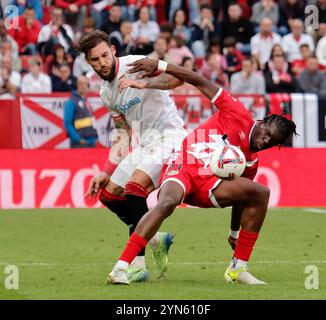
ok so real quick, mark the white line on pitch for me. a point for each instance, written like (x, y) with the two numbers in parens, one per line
(315, 210)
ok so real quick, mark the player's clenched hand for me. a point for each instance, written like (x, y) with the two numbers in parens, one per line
(149, 66)
(130, 83)
(96, 184)
(232, 242)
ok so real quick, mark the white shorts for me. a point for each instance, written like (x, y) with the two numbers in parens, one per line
(149, 158)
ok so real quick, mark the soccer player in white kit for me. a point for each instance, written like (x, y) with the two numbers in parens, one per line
(151, 118)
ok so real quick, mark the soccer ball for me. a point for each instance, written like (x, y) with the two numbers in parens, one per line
(227, 162)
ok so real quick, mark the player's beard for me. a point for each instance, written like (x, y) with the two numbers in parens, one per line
(109, 77)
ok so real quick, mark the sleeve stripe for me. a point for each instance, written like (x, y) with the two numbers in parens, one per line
(218, 93)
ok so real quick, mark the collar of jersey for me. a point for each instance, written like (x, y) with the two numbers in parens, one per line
(116, 69)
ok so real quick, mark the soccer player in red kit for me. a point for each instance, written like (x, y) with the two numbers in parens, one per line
(189, 179)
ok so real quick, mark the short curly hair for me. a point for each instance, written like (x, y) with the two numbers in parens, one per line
(90, 41)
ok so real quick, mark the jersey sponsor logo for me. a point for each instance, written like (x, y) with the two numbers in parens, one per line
(123, 108)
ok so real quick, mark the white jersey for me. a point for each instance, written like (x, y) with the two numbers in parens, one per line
(147, 109)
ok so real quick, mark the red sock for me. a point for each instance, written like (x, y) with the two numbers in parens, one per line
(135, 244)
(245, 244)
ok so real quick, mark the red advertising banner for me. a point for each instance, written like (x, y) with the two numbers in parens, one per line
(10, 125)
(48, 178)
(59, 178)
(295, 176)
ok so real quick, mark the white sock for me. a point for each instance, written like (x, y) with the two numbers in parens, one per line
(121, 265)
(139, 262)
(238, 263)
(154, 242)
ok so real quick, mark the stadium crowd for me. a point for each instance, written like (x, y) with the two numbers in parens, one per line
(245, 46)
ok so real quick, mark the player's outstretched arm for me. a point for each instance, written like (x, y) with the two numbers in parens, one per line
(150, 66)
(162, 82)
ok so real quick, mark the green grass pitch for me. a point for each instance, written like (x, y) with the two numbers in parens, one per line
(68, 253)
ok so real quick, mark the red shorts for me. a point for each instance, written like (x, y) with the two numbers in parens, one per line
(196, 182)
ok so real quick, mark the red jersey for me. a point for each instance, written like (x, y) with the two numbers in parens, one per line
(233, 122)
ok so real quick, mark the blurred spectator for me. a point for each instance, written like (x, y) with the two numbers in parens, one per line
(54, 61)
(278, 78)
(9, 79)
(263, 9)
(6, 49)
(21, 5)
(78, 117)
(186, 88)
(235, 26)
(99, 10)
(114, 20)
(289, 10)
(27, 34)
(161, 51)
(262, 43)
(178, 50)
(74, 11)
(213, 71)
(203, 31)
(247, 81)
(64, 81)
(180, 27)
(122, 40)
(215, 45)
(312, 80)
(321, 51)
(4, 36)
(36, 81)
(277, 50)
(297, 66)
(233, 56)
(95, 81)
(55, 32)
(144, 32)
(89, 26)
(166, 31)
(192, 5)
(292, 41)
(135, 6)
(80, 65)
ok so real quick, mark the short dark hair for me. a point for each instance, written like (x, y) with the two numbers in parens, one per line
(29, 7)
(285, 126)
(229, 42)
(90, 41)
(166, 27)
(185, 59)
(205, 6)
(303, 45)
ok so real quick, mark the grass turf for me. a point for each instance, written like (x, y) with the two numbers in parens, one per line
(68, 253)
